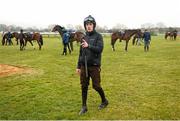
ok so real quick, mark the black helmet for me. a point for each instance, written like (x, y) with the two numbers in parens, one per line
(21, 30)
(89, 19)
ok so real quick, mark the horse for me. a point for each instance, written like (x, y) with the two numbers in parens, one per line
(126, 36)
(5, 38)
(172, 35)
(77, 36)
(33, 37)
(168, 34)
(16, 36)
(59, 29)
(137, 37)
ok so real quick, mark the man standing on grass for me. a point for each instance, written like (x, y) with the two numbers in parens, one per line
(21, 39)
(89, 63)
(66, 37)
(147, 39)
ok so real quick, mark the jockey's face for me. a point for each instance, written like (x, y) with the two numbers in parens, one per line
(89, 27)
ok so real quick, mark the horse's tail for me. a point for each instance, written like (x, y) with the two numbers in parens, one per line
(41, 40)
(3, 40)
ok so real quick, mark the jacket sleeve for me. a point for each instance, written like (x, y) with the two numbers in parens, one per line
(98, 46)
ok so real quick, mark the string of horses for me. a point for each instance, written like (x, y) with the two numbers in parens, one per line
(76, 36)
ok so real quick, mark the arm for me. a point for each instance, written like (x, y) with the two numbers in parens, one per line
(98, 47)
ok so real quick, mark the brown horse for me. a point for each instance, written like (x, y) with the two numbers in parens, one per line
(172, 35)
(33, 37)
(137, 36)
(78, 36)
(16, 36)
(126, 36)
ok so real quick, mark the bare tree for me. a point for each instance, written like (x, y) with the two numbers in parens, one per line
(147, 26)
(79, 28)
(50, 27)
(160, 25)
(69, 26)
(119, 27)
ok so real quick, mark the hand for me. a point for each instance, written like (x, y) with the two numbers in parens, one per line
(84, 44)
(78, 71)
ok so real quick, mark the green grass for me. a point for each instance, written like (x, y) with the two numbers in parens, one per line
(138, 85)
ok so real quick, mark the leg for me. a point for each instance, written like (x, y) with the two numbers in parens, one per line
(68, 48)
(127, 41)
(64, 48)
(113, 47)
(94, 73)
(71, 45)
(145, 46)
(21, 45)
(84, 88)
(39, 44)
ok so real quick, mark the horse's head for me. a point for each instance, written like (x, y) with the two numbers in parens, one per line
(78, 36)
(14, 34)
(57, 28)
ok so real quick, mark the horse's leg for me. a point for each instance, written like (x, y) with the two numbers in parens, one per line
(127, 41)
(3, 41)
(39, 44)
(71, 45)
(134, 39)
(30, 41)
(113, 41)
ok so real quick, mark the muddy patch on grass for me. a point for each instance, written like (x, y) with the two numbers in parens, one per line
(8, 70)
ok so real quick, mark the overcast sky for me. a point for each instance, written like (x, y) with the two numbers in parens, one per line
(132, 13)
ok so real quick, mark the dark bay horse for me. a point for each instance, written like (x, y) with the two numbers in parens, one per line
(78, 36)
(5, 39)
(73, 36)
(137, 36)
(59, 29)
(13, 35)
(126, 36)
(16, 36)
(33, 37)
(172, 35)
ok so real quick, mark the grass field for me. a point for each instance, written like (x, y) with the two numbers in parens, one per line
(138, 85)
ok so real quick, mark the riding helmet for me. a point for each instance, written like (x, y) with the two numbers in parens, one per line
(89, 19)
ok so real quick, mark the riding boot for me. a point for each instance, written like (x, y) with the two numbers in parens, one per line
(84, 99)
(101, 93)
(104, 100)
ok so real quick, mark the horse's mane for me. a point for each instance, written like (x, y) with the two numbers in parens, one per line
(59, 27)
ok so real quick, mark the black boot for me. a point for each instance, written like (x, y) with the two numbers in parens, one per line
(104, 100)
(84, 99)
(103, 104)
(83, 110)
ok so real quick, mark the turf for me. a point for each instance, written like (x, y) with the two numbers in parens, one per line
(138, 84)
